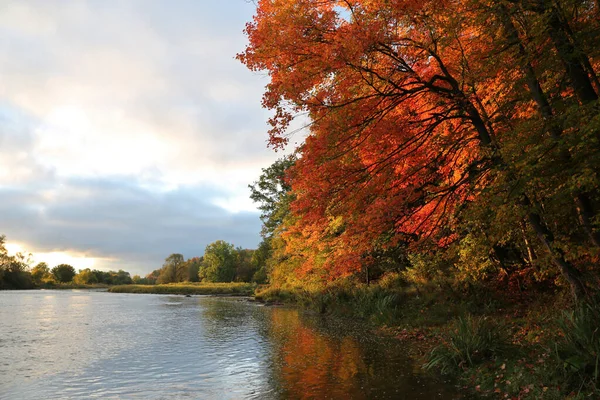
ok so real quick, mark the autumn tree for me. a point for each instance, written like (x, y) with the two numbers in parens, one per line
(85, 277)
(421, 131)
(172, 269)
(152, 277)
(39, 272)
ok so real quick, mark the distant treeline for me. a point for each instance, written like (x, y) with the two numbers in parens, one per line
(16, 273)
(221, 262)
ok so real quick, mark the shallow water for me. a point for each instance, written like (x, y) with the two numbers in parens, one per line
(90, 344)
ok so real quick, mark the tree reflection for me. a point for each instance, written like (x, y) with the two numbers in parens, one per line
(326, 358)
(309, 363)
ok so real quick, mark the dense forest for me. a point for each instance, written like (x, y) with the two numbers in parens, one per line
(452, 152)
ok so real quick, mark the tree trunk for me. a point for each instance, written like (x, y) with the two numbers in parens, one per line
(570, 273)
(568, 55)
(583, 203)
(586, 215)
(530, 251)
(585, 60)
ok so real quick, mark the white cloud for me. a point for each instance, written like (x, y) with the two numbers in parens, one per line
(118, 89)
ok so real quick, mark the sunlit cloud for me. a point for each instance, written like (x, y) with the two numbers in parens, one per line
(54, 258)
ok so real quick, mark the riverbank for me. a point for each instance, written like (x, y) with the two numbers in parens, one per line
(68, 286)
(231, 289)
(535, 347)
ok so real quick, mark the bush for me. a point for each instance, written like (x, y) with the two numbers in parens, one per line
(580, 348)
(472, 340)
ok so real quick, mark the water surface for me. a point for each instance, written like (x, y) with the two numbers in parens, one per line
(89, 344)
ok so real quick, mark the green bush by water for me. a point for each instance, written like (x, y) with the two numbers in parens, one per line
(471, 340)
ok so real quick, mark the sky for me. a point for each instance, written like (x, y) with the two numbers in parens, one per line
(128, 130)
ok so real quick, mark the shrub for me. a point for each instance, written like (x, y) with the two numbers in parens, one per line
(580, 348)
(472, 340)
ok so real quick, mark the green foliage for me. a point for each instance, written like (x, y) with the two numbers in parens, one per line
(371, 303)
(244, 268)
(193, 268)
(14, 270)
(260, 276)
(471, 341)
(273, 194)
(427, 269)
(85, 277)
(219, 263)
(121, 277)
(63, 273)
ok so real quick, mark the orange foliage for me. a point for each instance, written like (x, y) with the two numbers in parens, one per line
(414, 108)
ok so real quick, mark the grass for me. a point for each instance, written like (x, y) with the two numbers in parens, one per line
(470, 341)
(370, 303)
(71, 285)
(232, 289)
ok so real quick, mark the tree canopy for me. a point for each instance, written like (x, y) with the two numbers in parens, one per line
(63, 273)
(468, 128)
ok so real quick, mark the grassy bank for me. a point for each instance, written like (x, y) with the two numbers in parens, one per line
(538, 347)
(67, 286)
(233, 289)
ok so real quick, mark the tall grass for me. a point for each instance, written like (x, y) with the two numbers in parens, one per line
(580, 348)
(471, 340)
(233, 288)
(371, 303)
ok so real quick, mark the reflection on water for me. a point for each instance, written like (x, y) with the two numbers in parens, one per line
(316, 357)
(85, 344)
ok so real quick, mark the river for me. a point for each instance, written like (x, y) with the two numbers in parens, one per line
(78, 344)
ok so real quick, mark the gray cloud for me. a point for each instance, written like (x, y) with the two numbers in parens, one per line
(116, 218)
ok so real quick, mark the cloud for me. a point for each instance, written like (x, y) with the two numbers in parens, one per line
(116, 219)
(128, 131)
(141, 82)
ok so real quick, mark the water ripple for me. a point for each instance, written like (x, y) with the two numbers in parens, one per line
(87, 345)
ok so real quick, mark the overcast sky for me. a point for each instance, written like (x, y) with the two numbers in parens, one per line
(128, 131)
